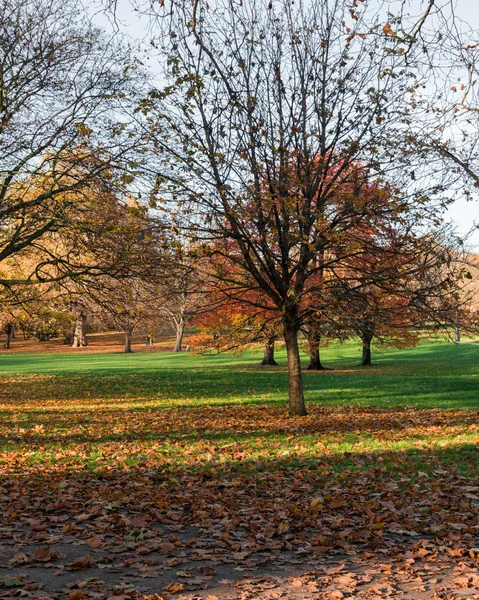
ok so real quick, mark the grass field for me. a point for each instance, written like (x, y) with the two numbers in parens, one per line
(51, 403)
(384, 450)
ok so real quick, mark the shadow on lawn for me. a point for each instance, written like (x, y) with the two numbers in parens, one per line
(451, 387)
(244, 429)
(405, 480)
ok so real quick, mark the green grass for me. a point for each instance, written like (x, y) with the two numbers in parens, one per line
(187, 412)
(434, 374)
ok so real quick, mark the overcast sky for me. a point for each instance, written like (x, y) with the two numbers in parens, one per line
(462, 213)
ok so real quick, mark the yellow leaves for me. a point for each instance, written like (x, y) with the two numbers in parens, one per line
(10, 581)
(316, 504)
(83, 129)
(387, 30)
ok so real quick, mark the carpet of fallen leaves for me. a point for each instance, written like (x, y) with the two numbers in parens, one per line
(119, 498)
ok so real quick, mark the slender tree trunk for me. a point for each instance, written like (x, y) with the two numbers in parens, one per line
(128, 334)
(295, 377)
(366, 360)
(180, 330)
(268, 357)
(79, 333)
(9, 332)
(314, 339)
(457, 334)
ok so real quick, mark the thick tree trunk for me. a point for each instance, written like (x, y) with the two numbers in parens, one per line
(180, 330)
(268, 357)
(366, 360)
(315, 360)
(457, 335)
(295, 377)
(128, 334)
(314, 353)
(9, 332)
(79, 333)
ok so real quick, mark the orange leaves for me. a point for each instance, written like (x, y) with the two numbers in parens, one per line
(77, 595)
(387, 30)
(95, 542)
(173, 588)
(46, 554)
(167, 547)
(316, 505)
(81, 563)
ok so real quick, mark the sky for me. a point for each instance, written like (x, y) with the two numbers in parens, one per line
(463, 214)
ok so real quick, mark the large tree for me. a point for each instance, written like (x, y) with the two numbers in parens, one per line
(276, 117)
(63, 87)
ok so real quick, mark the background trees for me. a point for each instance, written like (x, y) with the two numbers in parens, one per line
(62, 84)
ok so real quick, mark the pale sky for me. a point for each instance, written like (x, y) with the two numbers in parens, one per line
(462, 213)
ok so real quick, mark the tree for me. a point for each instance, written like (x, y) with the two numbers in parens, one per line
(272, 123)
(62, 85)
(180, 298)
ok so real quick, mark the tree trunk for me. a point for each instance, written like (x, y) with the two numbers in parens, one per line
(366, 361)
(314, 353)
(9, 332)
(268, 357)
(180, 330)
(128, 334)
(457, 335)
(79, 333)
(295, 377)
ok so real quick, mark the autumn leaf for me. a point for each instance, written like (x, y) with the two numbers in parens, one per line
(173, 588)
(207, 570)
(166, 547)
(387, 29)
(10, 581)
(82, 563)
(95, 542)
(46, 554)
(77, 595)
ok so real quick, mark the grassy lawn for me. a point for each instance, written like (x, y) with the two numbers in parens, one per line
(110, 411)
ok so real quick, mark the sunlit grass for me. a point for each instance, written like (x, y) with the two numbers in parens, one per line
(174, 412)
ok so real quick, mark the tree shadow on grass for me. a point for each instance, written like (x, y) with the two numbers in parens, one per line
(453, 387)
(424, 491)
(220, 424)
